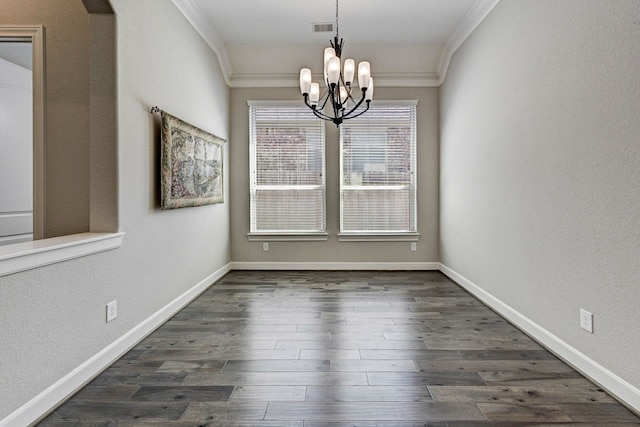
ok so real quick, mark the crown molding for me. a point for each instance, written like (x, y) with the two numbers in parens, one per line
(205, 28)
(292, 80)
(469, 23)
(426, 79)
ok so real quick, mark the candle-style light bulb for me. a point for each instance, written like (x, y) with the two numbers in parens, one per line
(314, 93)
(344, 95)
(349, 71)
(364, 74)
(305, 81)
(369, 93)
(333, 70)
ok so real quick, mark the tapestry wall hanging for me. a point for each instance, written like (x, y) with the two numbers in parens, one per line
(192, 165)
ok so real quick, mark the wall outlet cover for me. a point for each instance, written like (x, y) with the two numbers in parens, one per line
(112, 311)
(586, 320)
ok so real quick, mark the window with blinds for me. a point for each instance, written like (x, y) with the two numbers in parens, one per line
(378, 171)
(287, 169)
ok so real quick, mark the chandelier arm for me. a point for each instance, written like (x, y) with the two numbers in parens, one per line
(321, 114)
(360, 101)
(335, 105)
(325, 98)
(347, 116)
(317, 112)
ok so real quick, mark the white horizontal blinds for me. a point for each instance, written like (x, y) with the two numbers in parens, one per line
(287, 169)
(378, 179)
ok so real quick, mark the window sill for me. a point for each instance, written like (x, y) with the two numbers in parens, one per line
(28, 255)
(378, 237)
(287, 237)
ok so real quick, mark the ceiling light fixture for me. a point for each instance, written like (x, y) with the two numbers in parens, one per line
(338, 81)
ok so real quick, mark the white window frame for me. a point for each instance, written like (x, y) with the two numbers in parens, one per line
(384, 235)
(282, 235)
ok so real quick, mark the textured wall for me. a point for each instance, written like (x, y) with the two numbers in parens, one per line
(540, 161)
(332, 250)
(53, 318)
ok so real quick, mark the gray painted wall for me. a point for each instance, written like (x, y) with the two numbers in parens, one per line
(53, 318)
(540, 153)
(332, 250)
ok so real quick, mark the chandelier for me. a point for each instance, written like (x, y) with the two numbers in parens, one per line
(339, 90)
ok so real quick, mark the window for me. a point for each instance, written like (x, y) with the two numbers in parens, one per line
(287, 170)
(378, 172)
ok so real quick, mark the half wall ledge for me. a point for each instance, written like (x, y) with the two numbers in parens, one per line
(29, 255)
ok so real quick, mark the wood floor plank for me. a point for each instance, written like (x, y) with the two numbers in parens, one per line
(372, 411)
(182, 394)
(267, 393)
(417, 355)
(309, 365)
(221, 412)
(277, 378)
(376, 424)
(339, 349)
(350, 345)
(192, 366)
(109, 378)
(424, 378)
(125, 411)
(523, 413)
(373, 365)
(607, 412)
(550, 366)
(368, 394)
(106, 394)
(520, 394)
(330, 354)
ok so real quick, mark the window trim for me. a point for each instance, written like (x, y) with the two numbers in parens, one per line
(383, 236)
(285, 235)
(379, 237)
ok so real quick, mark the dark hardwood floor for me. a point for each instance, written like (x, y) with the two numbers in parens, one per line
(328, 349)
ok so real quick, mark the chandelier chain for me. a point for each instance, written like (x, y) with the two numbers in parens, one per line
(337, 22)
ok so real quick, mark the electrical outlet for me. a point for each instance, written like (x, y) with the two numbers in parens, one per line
(414, 246)
(112, 310)
(586, 320)
(265, 246)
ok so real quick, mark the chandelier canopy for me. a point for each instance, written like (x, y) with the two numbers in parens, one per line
(338, 81)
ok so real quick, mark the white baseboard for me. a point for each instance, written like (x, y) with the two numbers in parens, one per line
(44, 402)
(618, 387)
(335, 265)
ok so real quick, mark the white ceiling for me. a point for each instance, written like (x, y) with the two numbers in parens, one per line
(265, 43)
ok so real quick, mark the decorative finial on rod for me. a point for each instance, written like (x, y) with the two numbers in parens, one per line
(155, 110)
